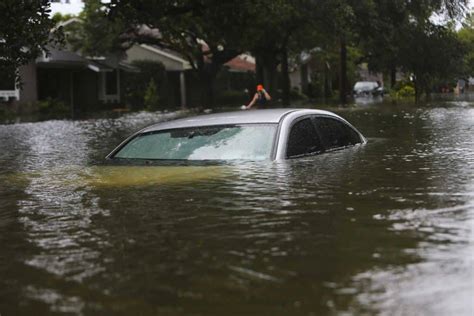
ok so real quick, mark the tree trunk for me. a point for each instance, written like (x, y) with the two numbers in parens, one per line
(207, 76)
(327, 83)
(417, 90)
(343, 71)
(393, 76)
(259, 69)
(286, 78)
(270, 75)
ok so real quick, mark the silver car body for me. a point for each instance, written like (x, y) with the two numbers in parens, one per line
(285, 118)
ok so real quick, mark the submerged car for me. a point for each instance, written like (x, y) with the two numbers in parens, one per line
(271, 134)
(367, 89)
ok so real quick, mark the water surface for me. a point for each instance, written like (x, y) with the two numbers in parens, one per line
(381, 229)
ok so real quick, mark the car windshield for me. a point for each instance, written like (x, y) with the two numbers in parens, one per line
(365, 85)
(248, 141)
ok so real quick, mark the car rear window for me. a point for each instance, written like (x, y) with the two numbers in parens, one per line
(336, 134)
(246, 141)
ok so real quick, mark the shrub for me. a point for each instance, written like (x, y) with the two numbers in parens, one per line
(53, 108)
(406, 92)
(151, 99)
(403, 89)
(138, 91)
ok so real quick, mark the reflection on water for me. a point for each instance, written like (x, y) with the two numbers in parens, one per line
(383, 228)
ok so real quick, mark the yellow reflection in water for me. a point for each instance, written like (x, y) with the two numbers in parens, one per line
(144, 175)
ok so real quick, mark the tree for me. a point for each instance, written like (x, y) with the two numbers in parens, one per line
(280, 28)
(381, 28)
(208, 33)
(430, 52)
(211, 32)
(97, 35)
(466, 36)
(25, 32)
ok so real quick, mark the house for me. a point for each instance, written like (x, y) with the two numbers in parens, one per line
(84, 83)
(183, 86)
(301, 72)
(8, 88)
(175, 67)
(65, 76)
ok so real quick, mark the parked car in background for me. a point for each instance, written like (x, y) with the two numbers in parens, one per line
(367, 89)
(271, 134)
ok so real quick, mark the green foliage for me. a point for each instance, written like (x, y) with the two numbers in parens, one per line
(142, 88)
(399, 35)
(97, 35)
(151, 98)
(58, 17)
(405, 91)
(51, 108)
(466, 36)
(432, 53)
(388, 35)
(24, 32)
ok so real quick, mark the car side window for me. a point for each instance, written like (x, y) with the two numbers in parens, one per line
(303, 139)
(336, 134)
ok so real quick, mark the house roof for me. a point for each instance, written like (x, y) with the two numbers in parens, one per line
(240, 64)
(167, 53)
(61, 58)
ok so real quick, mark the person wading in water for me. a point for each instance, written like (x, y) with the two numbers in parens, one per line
(260, 98)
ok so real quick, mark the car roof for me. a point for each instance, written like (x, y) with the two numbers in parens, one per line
(266, 116)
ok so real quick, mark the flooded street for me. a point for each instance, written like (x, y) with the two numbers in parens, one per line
(385, 228)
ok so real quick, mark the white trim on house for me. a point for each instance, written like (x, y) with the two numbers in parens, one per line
(93, 68)
(103, 96)
(186, 64)
(5, 95)
(70, 21)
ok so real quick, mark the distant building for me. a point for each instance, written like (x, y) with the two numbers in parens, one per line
(301, 72)
(83, 82)
(67, 77)
(182, 87)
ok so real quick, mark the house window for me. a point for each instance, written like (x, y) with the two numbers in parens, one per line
(109, 86)
(8, 88)
(7, 80)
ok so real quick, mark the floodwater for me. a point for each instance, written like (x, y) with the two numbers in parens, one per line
(386, 228)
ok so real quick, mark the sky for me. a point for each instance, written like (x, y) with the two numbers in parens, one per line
(73, 7)
(76, 6)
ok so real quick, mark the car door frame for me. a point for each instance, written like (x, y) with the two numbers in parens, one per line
(290, 120)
